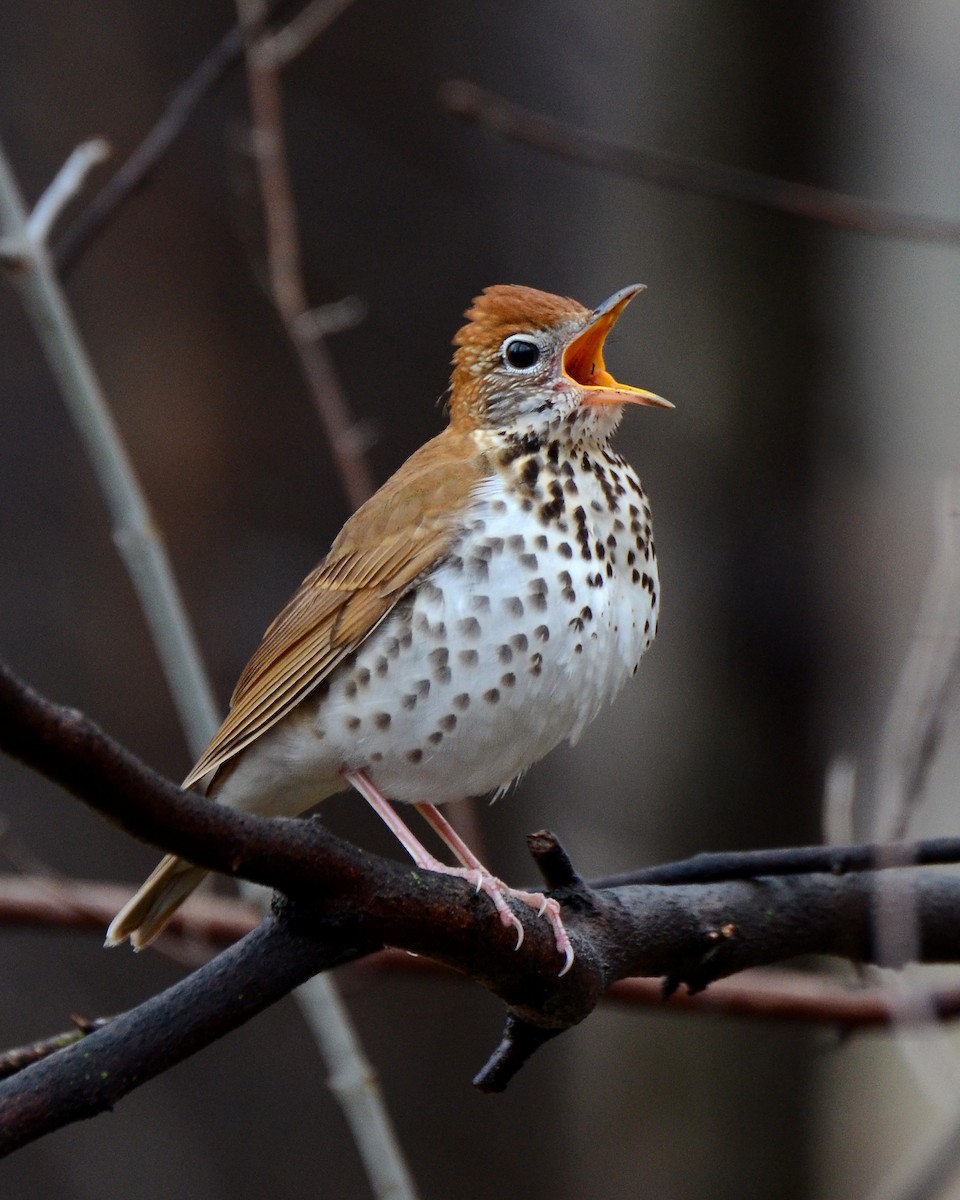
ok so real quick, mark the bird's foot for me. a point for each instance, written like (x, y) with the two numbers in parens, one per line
(547, 907)
(499, 893)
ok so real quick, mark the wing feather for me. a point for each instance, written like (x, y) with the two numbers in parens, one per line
(405, 529)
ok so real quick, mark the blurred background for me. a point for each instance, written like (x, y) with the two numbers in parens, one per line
(814, 376)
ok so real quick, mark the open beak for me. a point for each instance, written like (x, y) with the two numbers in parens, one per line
(583, 358)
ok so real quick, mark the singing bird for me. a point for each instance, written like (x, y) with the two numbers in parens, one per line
(481, 607)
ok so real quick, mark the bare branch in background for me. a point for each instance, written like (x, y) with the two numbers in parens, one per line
(928, 682)
(268, 141)
(662, 169)
(135, 531)
(67, 184)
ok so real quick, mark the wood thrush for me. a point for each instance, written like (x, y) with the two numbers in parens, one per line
(479, 609)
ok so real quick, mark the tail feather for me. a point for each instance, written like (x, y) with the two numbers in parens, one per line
(144, 916)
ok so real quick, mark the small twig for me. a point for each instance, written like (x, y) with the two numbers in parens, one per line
(689, 174)
(336, 317)
(268, 141)
(29, 901)
(12, 1061)
(799, 860)
(303, 29)
(67, 183)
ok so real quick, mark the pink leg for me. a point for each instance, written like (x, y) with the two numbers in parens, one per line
(496, 889)
(471, 869)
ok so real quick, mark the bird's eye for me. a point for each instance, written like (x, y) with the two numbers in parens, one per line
(520, 353)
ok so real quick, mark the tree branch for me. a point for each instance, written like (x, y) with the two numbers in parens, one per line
(347, 902)
(703, 178)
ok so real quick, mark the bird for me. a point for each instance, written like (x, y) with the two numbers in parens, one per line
(477, 610)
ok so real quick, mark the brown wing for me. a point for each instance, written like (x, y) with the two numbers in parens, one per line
(402, 531)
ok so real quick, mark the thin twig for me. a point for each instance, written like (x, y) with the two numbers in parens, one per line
(268, 141)
(135, 532)
(67, 183)
(12, 1061)
(797, 860)
(689, 174)
(303, 29)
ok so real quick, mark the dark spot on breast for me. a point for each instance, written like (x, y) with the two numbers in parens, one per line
(435, 738)
(363, 676)
(530, 472)
(414, 756)
(422, 688)
(542, 633)
(569, 595)
(352, 723)
(350, 689)
(408, 702)
(478, 568)
(553, 453)
(514, 606)
(382, 720)
(565, 550)
(448, 723)
(536, 664)
(529, 561)
(576, 623)
(469, 658)
(470, 627)
(635, 575)
(492, 696)
(439, 657)
(508, 680)
(551, 510)
(480, 603)
(462, 701)
(505, 654)
(519, 642)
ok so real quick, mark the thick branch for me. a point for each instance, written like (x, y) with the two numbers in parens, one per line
(89, 1077)
(691, 933)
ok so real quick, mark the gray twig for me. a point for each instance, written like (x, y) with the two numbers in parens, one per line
(135, 531)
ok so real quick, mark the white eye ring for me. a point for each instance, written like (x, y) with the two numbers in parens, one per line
(521, 353)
